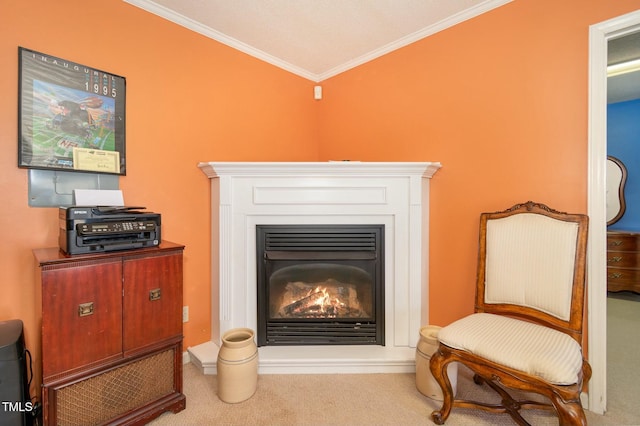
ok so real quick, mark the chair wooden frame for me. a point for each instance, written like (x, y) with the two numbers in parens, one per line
(565, 399)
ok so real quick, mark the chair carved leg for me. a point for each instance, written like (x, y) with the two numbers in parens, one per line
(570, 413)
(438, 367)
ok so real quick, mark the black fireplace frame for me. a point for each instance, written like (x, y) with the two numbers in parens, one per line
(345, 244)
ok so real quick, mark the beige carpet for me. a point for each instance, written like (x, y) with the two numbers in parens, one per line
(392, 399)
(623, 354)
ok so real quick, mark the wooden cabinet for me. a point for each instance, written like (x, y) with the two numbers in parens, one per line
(111, 335)
(623, 261)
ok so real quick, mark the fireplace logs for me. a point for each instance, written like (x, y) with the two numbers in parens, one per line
(329, 299)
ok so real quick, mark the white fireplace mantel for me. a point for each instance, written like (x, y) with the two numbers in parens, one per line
(336, 168)
(246, 194)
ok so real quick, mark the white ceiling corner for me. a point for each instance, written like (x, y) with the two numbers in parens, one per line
(317, 39)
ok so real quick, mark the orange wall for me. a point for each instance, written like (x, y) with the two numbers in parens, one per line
(189, 99)
(500, 100)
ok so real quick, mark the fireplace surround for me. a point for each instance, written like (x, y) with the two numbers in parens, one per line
(394, 195)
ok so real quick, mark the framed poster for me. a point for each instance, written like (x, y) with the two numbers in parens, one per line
(71, 117)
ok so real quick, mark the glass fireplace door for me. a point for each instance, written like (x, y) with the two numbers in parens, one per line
(318, 290)
(321, 294)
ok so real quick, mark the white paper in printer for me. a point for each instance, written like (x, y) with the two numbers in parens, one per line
(98, 197)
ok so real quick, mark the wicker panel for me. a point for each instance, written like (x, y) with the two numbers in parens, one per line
(110, 394)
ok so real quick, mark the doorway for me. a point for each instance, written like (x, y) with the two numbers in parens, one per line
(599, 36)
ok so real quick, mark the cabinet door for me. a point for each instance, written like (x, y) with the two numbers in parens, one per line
(81, 315)
(152, 300)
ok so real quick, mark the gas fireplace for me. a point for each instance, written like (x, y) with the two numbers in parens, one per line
(320, 284)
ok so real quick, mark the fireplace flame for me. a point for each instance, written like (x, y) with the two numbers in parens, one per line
(321, 301)
(324, 302)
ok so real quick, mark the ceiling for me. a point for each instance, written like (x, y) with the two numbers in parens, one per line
(317, 39)
(623, 87)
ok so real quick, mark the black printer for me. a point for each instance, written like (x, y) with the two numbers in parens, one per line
(93, 229)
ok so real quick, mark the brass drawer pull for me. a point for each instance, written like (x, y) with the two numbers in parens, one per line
(615, 243)
(614, 275)
(85, 309)
(614, 259)
(154, 294)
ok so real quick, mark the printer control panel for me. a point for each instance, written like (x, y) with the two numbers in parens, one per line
(116, 227)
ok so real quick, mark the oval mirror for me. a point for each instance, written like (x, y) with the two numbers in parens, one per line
(616, 179)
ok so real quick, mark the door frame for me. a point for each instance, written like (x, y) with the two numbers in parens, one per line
(599, 36)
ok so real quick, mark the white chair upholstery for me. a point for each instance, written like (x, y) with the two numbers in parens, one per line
(521, 345)
(516, 247)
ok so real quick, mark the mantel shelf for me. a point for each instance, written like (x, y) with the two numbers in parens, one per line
(336, 168)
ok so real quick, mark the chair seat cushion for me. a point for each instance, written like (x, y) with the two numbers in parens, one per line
(531, 348)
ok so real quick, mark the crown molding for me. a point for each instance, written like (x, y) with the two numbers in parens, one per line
(172, 16)
(451, 21)
(209, 32)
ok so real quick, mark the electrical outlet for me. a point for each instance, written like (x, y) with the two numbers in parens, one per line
(185, 314)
